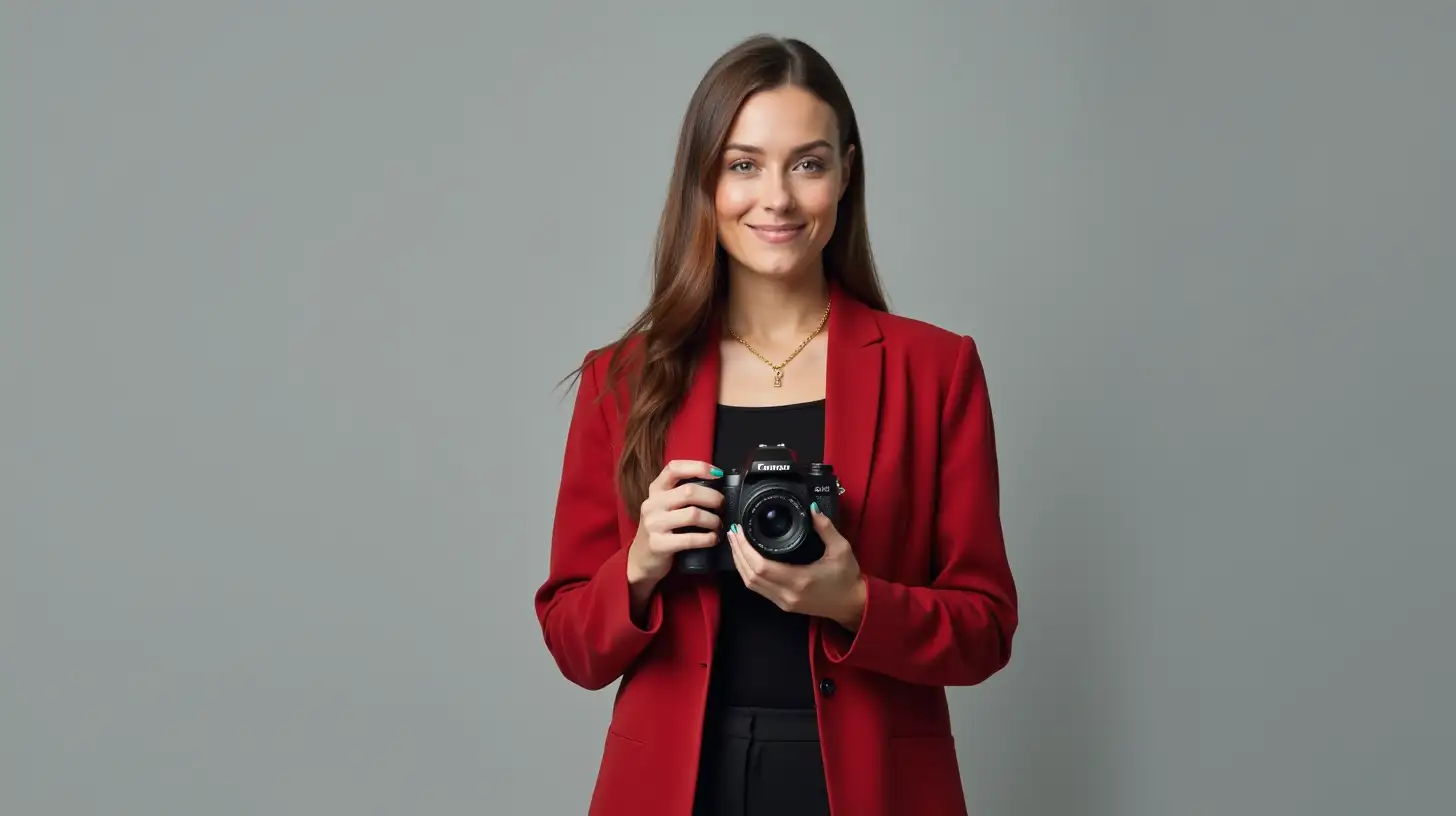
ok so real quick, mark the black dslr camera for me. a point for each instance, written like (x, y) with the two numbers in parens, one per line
(769, 499)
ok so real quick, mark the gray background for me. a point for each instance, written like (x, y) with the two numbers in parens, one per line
(287, 286)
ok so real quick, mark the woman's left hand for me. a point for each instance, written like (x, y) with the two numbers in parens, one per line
(828, 588)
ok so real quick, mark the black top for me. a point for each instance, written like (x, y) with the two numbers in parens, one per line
(763, 651)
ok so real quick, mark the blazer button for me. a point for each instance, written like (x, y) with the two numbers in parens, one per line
(826, 687)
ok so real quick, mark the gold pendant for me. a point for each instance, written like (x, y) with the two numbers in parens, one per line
(778, 378)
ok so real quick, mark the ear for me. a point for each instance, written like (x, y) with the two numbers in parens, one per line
(848, 170)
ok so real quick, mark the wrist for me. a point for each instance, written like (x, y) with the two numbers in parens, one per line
(639, 575)
(853, 612)
(641, 585)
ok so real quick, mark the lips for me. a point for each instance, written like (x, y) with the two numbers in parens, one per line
(778, 233)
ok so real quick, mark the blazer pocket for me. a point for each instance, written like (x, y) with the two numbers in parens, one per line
(925, 776)
(613, 733)
(622, 778)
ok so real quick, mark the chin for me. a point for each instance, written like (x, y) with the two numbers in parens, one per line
(776, 268)
(785, 264)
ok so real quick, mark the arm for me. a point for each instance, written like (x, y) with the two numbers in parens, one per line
(594, 623)
(958, 630)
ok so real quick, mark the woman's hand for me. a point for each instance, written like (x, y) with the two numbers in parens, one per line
(670, 507)
(828, 588)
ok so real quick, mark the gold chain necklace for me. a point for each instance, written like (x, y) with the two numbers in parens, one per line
(778, 370)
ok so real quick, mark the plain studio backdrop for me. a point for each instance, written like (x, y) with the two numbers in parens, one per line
(286, 289)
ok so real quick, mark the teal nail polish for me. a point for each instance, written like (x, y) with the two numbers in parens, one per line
(814, 507)
(717, 474)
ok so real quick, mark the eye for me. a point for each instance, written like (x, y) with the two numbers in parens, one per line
(813, 165)
(740, 166)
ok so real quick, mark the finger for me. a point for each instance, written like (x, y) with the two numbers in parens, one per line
(736, 545)
(748, 560)
(763, 576)
(821, 521)
(675, 542)
(685, 517)
(826, 529)
(679, 469)
(694, 494)
(760, 569)
(672, 497)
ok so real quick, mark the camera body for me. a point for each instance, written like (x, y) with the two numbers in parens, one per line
(769, 499)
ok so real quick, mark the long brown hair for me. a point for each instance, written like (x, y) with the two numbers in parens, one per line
(658, 352)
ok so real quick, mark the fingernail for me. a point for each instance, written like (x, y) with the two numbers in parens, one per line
(717, 473)
(814, 507)
(735, 528)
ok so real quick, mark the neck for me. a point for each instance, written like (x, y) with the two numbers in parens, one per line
(775, 311)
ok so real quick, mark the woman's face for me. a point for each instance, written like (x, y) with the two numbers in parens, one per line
(779, 183)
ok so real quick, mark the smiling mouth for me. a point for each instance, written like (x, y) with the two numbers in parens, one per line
(778, 234)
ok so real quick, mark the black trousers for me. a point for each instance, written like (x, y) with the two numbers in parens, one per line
(761, 762)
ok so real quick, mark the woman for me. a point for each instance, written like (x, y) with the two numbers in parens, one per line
(769, 687)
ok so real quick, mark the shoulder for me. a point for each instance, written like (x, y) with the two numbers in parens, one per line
(608, 369)
(939, 365)
(601, 360)
(931, 359)
(901, 330)
(924, 345)
(935, 363)
(901, 335)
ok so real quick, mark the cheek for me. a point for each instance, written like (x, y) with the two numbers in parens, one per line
(732, 201)
(820, 200)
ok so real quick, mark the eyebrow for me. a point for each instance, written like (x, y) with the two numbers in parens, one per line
(803, 148)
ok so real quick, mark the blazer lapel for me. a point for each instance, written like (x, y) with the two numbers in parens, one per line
(690, 436)
(852, 407)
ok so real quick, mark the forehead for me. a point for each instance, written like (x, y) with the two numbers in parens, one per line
(782, 118)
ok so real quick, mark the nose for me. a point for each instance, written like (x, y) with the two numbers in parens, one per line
(778, 196)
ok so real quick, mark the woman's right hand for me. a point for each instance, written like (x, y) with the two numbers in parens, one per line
(669, 507)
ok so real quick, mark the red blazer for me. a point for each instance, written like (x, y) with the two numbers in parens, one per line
(909, 433)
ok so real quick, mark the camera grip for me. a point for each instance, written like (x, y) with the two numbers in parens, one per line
(827, 498)
(696, 561)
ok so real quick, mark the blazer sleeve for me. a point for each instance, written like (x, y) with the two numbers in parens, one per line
(957, 630)
(583, 606)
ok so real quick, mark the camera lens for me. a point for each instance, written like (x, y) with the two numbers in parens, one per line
(775, 522)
